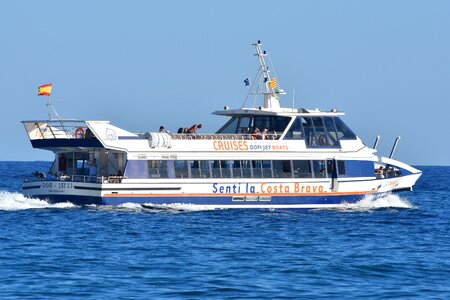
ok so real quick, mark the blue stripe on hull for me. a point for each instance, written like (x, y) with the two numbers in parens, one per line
(275, 200)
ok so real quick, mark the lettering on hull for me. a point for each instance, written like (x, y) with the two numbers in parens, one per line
(267, 188)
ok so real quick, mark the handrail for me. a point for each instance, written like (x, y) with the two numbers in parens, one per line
(222, 136)
(53, 129)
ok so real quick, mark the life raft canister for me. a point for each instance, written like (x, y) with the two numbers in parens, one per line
(79, 133)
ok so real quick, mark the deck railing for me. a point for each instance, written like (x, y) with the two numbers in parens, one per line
(74, 178)
(221, 136)
(55, 129)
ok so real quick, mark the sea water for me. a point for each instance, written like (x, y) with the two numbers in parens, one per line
(395, 247)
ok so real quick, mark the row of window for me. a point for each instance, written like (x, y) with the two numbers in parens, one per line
(320, 131)
(247, 169)
(316, 131)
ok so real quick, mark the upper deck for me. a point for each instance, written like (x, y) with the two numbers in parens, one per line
(267, 128)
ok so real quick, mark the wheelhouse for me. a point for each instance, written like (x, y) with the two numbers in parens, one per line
(316, 131)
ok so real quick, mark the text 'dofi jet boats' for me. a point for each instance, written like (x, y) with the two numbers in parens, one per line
(262, 157)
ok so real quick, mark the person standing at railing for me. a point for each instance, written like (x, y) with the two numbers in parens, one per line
(256, 135)
(194, 128)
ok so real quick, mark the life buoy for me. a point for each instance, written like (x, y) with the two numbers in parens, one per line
(79, 133)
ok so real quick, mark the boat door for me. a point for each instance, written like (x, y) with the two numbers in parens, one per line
(333, 174)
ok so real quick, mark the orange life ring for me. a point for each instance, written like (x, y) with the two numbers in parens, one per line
(79, 133)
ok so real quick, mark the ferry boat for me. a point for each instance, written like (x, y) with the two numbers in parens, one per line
(264, 156)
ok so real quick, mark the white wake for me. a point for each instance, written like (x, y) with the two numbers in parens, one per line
(151, 207)
(370, 202)
(17, 201)
(177, 207)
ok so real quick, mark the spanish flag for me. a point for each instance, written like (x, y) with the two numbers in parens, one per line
(273, 83)
(45, 90)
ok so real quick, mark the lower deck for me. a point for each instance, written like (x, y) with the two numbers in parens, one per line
(244, 193)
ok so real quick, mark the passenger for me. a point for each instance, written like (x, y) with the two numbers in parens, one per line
(265, 134)
(194, 128)
(163, 130)
(381, 172)
(62, 163)
(322, 140)
(88, 134)
(256, 134)
(180, 130)
(274, 135)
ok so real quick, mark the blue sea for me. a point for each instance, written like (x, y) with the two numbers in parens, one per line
(397, 247)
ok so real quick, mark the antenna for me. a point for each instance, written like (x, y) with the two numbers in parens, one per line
(377, 140)
(394, 147)
(267, 86)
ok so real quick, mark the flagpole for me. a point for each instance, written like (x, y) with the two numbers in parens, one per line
(53, 109)
(48, 109)
(50, 106)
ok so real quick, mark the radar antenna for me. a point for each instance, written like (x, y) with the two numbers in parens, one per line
(266, 85)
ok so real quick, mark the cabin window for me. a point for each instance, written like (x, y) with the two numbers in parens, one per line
(154, 169)
(200, 168)
(330, 127)
(321, 131)
(332, 168)
(302, 169)
(310, 137)
(319, 169)
(296, 130)
(341, 167)
(359, 168)
(271, 123)
(262, 169)
(282, 168)
(343, 132)
(245, 124)
(321, 136)
(238, 169)
(181, 169)
(229, 127)
(137, 169)
(217, 169)
(242, 169)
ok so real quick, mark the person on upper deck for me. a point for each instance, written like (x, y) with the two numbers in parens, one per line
(163, 130)
(380, 172)
(265, 134)
(256, 135)
(194, 128)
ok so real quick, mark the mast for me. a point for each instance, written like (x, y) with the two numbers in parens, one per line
(268, 86)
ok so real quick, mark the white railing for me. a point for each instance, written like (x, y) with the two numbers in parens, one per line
(221, 136)
(55, 129)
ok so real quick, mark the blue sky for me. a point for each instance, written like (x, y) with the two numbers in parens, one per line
(142, 64)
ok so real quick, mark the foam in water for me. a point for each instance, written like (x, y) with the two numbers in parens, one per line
(370, 202)
(151, 207)
(17, 201)
(177, 207)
